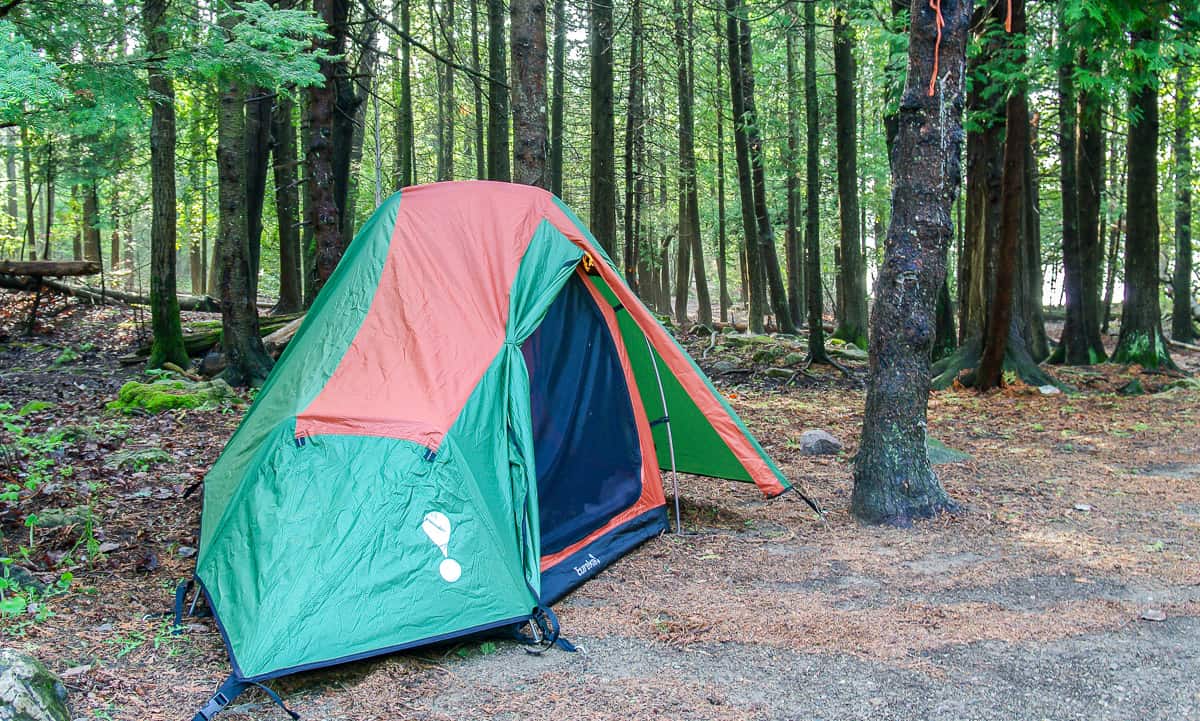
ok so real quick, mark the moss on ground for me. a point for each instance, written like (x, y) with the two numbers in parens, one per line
(166, 395)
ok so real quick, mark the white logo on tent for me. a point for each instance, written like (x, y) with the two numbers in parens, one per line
(437, 527)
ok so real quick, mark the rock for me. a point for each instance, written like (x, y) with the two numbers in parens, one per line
(781, 373)
(1154, 614)
(212, 364)
(136, 458)
(186, 551)
(819, 443)
(1083, 507)
(62, 517)
(1132, 388)
(768, 354)
(1049, 390)
(723, 366)
(850, 352)
(744, 340)
(793, 359)
(28, 691)
(940, 453)
(170, 394)
(21, 576)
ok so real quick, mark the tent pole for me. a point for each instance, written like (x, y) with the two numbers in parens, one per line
(670, 438)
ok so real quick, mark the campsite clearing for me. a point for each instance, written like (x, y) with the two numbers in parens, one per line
(1081, 524)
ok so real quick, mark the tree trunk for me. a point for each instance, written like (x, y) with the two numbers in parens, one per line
(246, 360)
(812, 210)
(792, 245)
(893, 481)
(1116, 180)
(690, 257)
(722, 239)
(164, 306)
(556, 100)
(359, 93)
(10, 174)
(752, 284)
(480, 158)
(50, 178)
(448, 101)
(1089, 173)
(1033, 320)
(287, 209)
(530, 132)
(602, 189)
(91, 221)
(404, 110)
(634, 140)
(852, 323)
(1000, 316)
(1141, 340)
(347, 121)
(320, 206)
(497, 140)
(260, 104)
(1182, 327)
(27, 174)
(114, 243)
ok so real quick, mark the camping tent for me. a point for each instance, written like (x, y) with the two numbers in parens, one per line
(470, 423)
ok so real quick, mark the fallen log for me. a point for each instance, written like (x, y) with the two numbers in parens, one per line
(84, 292)
(276, 341)
(44, 268)
(199, 342)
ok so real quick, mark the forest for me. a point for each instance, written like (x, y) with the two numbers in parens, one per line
(934, 258)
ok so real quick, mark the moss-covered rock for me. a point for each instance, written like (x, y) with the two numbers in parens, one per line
(769, 354)
(170, 394)
(28, 691)
(137, 458)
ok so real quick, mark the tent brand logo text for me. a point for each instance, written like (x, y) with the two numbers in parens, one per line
(587, 565)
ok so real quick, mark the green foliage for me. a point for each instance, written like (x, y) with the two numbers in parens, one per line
(265, 46)
(28, 82)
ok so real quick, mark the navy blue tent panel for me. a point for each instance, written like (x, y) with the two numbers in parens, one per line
(586, 448)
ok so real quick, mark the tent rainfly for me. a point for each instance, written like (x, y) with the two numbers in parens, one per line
(470, 423)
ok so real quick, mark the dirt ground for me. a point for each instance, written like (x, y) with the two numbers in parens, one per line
(1081, 523)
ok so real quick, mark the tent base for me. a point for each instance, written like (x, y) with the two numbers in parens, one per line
(562, 578)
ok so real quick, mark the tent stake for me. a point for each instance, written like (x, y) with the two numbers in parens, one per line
(670, 438)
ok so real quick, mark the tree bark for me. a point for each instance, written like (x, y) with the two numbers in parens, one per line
(320, 206)
(164, 306)
(404, 109)
(556, 93)
(634, 141)
(260, 104)
(852, 323)
(1000, 315)
(1183, 328)
(91, 221)
(530, 132)
(812, 210)
(114, 243)
(27, 174)
(287, 209)
(792, 241)
(477, 85)
(498, 92)
(722, 235)
(602, 188)
(893, 480)
(246, 360)
(1141, 340)
(753, 285)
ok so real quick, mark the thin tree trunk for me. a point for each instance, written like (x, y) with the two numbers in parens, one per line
(1182, 327)
(48, 226)
(753, 276)
(10, 167)
(1141, 340)
(556, 99)
(320, 206)
(498, 95)
(1089, 173)
(812, 210)
(164, 305)
(722, 235)
(633, 136)
(91, 221)
(602, 189)
(530, 131)
(260, 103)
(287, 209)
(1116, 181)
(480, 158)
(792, 245)
(27, 173)
(852, 322)
(114, 244)
(893, 481)
(404, 110)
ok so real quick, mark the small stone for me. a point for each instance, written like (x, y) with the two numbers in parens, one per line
(186, 551)
(1154, 614)
(1083, 507)
(62, 517)
(781, 373)
(212, 364)
(1049, 390)
(850, 352)
(28, 691)
(793, 359)
(108, 547)
(723, 366)
(819, 443)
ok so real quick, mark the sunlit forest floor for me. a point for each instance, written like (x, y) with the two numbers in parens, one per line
(1068, 588)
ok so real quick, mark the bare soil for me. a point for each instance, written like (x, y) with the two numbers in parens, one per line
(1081, 520)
